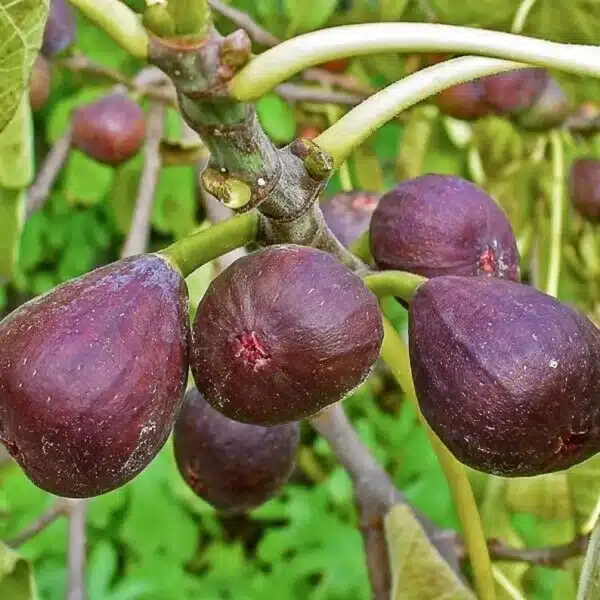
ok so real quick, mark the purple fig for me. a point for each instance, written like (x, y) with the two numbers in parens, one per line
(516, 91)
(584, 188)
(110, 130)
(550, 109)
(283, 333)
(59, 32)
(95, 374)
(233, 466)
(506, 376)
(40, 84)
(465, 101)
(436, 225)
(348, 214)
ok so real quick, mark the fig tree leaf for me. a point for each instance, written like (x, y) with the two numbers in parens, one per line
(277, 118)
(12, 203)
(22, 25)
(367, 169)
(547, 496)
(86, 181)
(418, 570)
(414, 144)
(174, 210)
(16, 577)
(589, 581)
(123, 192)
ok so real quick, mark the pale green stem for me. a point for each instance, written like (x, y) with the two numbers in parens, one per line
(195, 250)
(119, 22)
(361, 248)
(395, 355)
(521, 15)
(394, 283)
(361, 122)
(283, 61)
(556, 218)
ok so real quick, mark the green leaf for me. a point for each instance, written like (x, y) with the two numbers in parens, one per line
(22, 25)
(277, 118)
(174, 210)
(124, 191)
(418, 570)
(16, 577)
(12, 203)
(86, 181)
(547, 497)
(16, 149)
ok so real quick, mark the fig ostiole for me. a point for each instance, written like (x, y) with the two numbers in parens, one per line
(233, 466)
(507, 376)
(283, 333)
(435, 225)
(96, 372)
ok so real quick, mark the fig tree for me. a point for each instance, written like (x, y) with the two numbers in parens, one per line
(96, 371)
(59, 32)
(507, 376)
(283, 333)
(348, 214)
(110, 130)
(234, 466)
(436, 225)
(584, 187)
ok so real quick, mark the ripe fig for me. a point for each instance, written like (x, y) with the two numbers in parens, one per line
(513, 92)
(436, 225)
(59, 32)
(283, 333)
(348, 214)
(95, 374)
(584, 187)
(110, 130)
(233, 466)
(550, 109)
(40, 83)
(506, 376)
(465, 101)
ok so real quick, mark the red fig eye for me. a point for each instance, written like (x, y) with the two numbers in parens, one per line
(436, 225)
(283, 333)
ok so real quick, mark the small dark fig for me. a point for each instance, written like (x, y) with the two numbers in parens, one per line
(283, 333)
(584, 188)
(234, 466)
(95, 374)
(516, 91)
(110, 130)
(465, 101)
(436, 225)
(59, 32)
(348, 214)
(40, 83)
(506, 376)
(550, 109)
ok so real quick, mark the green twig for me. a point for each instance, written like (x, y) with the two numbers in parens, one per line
(556, 219)
(195, 250)
(394, 283)
(395, 355)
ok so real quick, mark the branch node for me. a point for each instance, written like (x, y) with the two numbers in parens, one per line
(232, 192)
(236, 49)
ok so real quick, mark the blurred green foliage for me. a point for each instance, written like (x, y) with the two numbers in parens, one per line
(153, 539)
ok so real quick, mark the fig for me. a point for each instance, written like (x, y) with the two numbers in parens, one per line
(110, 130)
(348, 214)
(516, 91)
(95, 374)
(550, 109)
(584, 187)
(465, 101)
(59, 32)
(233, 466)
(436, 225)
(40, 83)
(507, 376)
(283, 333)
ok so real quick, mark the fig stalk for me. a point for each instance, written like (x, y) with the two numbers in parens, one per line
(557, 201)
(394, 283)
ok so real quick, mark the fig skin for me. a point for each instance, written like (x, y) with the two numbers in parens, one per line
(348, 214)
(283, 333)
(96, 372)
(110, 130)
(584, 188)
(465, 101)
(507, 376)
(40, 84)
(436, 225)
(59, 32)
(233, 466)
(516, 91)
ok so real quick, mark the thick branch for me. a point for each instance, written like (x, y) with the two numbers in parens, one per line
(77, 550)
(137, 240)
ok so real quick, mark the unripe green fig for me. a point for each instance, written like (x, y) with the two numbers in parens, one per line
(507, 376)
(95, 374)
(233, 466)
(436, 225)
(110, 130)
(584, 188)
(283, 333)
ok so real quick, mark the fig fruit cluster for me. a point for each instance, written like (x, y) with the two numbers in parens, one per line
(530, 96)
